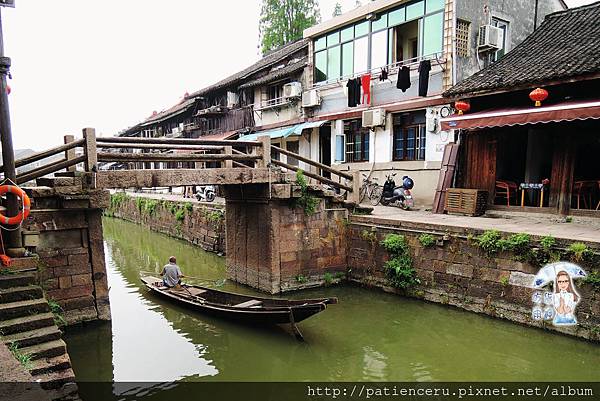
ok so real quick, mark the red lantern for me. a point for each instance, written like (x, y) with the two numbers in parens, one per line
(538, 95)
(462, 107)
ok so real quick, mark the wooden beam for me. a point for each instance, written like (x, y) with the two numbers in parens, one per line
(311, 175)
(313, 163)
(180, 177)
(176, 141)
(91, 163)
(70, 154)
(170, 157)
(48, 169)
(46, 153)
(157, 147)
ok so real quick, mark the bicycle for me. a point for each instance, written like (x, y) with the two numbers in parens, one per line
(370, 189)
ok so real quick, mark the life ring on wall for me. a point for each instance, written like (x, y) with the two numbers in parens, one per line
(22, 215)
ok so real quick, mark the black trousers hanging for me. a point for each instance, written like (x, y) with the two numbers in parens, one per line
(424, 68)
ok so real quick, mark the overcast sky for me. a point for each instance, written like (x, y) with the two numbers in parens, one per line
(108, 64)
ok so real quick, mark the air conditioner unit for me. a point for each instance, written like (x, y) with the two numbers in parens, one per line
(311, 98)
(490, 38)
(232, 100)
(291, 90)
(373, 118)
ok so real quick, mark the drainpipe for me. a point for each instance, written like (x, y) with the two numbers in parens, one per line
(535, 15)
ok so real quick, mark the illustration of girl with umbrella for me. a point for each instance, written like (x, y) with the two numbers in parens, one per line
(565, 300)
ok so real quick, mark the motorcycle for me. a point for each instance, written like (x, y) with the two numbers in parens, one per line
(398, 196)
(206, 194)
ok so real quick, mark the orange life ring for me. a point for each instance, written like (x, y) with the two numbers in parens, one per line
(22, 215)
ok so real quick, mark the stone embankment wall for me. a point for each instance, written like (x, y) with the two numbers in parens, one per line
(196, 223)
(65, 230)
(456, 271)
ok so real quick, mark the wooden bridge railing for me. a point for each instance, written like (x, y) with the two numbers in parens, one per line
(94, 150)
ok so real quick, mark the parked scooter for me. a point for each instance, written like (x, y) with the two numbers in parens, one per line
(206, 194)
(398, 196)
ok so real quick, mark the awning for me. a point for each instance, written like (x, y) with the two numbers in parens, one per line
(569, 111)
(294, 130)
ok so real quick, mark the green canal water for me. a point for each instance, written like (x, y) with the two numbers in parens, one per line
(368, 336)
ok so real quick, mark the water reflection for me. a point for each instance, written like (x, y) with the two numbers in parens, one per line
(368, 336)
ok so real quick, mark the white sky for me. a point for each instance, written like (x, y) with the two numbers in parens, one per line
(108, 64)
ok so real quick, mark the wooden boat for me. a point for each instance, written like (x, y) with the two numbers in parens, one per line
(243, 308)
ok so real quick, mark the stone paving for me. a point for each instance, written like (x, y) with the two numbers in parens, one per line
(581, 229)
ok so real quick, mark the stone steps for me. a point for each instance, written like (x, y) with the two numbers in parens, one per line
(20, 294)
(45, 350)
(46, 365)
(26, 323)
(55, 379)
(16, 280)
(13, 310)
(34, 337)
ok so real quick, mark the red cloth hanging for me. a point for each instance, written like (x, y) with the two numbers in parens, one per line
(366, 87)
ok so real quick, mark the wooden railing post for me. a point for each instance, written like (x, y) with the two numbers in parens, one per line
(91, 158)
(354, 196)
(228, 151)
(264, 151)
(70, 154)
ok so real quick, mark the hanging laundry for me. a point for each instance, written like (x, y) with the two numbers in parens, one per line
(384, 74)
(403, 79)
(357, 86)
(351, 96)
(366, 87)
(424, 68)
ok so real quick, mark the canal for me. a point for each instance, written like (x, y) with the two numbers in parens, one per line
(368, 336)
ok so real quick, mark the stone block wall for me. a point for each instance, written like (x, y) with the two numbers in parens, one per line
(198, 224)
(460, 274)
(68, 217)
(276, 247)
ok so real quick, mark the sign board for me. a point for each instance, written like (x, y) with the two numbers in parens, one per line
(7, 3)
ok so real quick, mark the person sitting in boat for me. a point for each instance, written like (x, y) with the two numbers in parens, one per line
(171, 273)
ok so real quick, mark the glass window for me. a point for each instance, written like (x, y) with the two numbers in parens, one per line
(320, 43)
(397, 17)
(380, 23)
(434, 5)
(433, 31)
(415, 10)
(357, 141)
(340, 146)
(294, 147)
(504, 26)
(347, 59)
(334, 58)
(347, 34)
(361, 29)
(409, 136)
(333, 39)
(321, 66)
(361, 54)
(379, 49)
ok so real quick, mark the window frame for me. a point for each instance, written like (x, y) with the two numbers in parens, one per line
(505, 26)
(420, 140)
(352, 128)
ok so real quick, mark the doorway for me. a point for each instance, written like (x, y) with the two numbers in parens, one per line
(325, 148)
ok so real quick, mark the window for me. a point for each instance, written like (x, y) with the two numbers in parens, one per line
(402, 33)
(504, 26)
(340, 145)
(294, 147)
(357, 141)
(463, 32)
(274, 92)
(409, 136)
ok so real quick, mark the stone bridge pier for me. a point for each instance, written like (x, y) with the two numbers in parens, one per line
(274, 246)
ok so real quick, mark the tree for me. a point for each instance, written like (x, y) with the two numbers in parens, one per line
(283, 21)
(337, 10)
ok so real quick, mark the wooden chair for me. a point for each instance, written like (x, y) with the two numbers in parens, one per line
(506, 189)
(583, 190)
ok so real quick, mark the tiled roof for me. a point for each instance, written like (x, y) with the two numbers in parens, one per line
(268, 60)
(274, 75)
(170, 112)
(565, 46)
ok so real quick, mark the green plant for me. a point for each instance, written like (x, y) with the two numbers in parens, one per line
(399, 269)
(340, 275)
(215, 216)
(579, 251)
(547, 243)
(150, 206)
(23, 358)
(369, 235)
(189, 207)
(427, 240)
(593, 279)
(117, 199)
(489, 242)
(328, 278)
(139, 203)
(520, 244)
(568, 219)
(57, 311)
(301, 279)
(180, 215)
(504, 281)
(306, 201)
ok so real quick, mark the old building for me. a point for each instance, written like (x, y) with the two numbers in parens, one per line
(377, 74)
(544, 156)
